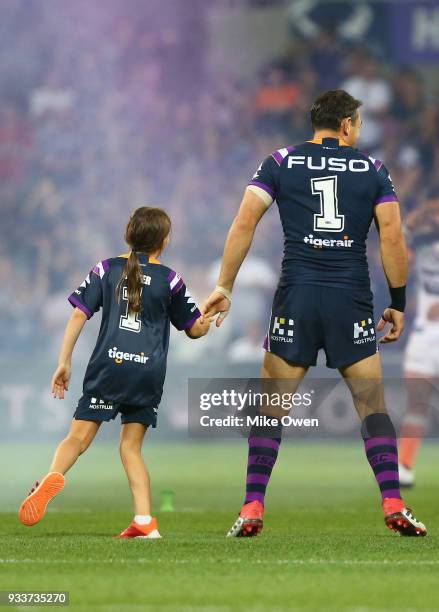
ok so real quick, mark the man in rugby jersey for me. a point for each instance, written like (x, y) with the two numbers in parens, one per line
(421, 360)
(327, 193)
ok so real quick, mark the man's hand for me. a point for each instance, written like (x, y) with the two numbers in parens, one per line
(60, 380)
(396, 319)
(217, 303)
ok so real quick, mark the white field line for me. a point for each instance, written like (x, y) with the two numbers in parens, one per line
(345, 562)
(182, 510)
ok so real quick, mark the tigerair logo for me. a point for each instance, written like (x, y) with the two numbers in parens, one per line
(119, 356)
(320, 243)
(282, 330)
(364, 331)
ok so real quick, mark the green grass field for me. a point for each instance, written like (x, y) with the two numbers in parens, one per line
(324, 544)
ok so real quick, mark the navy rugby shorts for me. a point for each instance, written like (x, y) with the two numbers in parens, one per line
(307, 318)
(97, 409)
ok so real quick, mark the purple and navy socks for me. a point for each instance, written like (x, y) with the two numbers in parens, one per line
(262, 455)
(380, 445)
(381, 449)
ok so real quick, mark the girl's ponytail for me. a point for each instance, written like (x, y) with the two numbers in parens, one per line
(134, 283)
(146, 233)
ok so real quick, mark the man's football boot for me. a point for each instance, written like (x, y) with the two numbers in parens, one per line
(249, 522)
(401, 519)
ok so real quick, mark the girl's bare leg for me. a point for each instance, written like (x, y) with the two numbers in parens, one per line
(131, 439)
(80, 437)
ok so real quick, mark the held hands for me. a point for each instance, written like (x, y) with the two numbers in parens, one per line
(201, 325)
(217, 303)
(204, 322)
(396, 319)
(60, 380)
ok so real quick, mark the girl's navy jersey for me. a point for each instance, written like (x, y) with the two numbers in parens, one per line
(128, 364)
(326, 192)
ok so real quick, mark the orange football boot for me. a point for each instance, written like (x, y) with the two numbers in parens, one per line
(401, 519)
(148, 532)
(249, 522)
(34, 506)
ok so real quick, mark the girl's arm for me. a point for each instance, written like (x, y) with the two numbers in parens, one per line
(201, 326)
(61, 376)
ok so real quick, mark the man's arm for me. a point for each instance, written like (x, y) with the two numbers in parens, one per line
(395, 264)
(240, 237)
(237, 245)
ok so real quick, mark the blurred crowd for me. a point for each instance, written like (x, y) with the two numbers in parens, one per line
(90, 129)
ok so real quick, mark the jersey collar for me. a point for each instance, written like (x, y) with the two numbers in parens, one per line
(334, 141)
(152, 260)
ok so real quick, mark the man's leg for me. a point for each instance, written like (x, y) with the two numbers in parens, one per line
(414, 425)
(263, 450)
(364, 380)
(419, 369)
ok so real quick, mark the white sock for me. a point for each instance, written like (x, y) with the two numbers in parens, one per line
(143, 519)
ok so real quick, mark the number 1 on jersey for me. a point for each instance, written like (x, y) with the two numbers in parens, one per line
(328, 220)
(130, 320)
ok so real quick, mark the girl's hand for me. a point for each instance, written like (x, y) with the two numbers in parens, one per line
(205, 322)
(201, 326)
(60, 380)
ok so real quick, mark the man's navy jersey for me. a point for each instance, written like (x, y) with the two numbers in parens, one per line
(326, 192)
(424, 241)
(128, 364)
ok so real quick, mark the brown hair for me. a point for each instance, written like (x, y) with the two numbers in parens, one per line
(331, 107)
(145, 233)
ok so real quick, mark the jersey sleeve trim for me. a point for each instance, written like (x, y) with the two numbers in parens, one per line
(386, 198)
(281, 154)
(175, 282)
(376, 162)
(266, 188)
(261, 193)
(78, 304)
(194, 319)
(101, 267)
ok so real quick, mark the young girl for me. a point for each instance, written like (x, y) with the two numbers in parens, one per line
(139, 297)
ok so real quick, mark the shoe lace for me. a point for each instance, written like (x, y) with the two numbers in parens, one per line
(33, 488)
(411, 515)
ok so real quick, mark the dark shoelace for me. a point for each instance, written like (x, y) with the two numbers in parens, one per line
(410, 513)
(33, 488)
